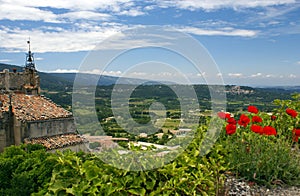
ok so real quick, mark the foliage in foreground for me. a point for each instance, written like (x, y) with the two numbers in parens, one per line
(259, 147)
(24, 172)
(25, 169)
(263, 148)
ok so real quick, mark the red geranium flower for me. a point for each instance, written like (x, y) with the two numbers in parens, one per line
(256, 119)
(296, 134)
(230, 129)
(257, 129)
(244, 120)
(252, 109)
(273, 117)
(223, 115)
(268, 130)
(291, 112)
(231, 120)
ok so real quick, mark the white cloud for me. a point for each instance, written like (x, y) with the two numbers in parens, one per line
(131, 12)
(139, 74)
(203, 74)
(88, 15)
(273, 12)
(256, 75)
(5, 60)
(218, 4)
(13, 40)
(270, 76)
(235, 75)
(112, 73)
(94, 71)
(292, 76)
(63, 71)
(261, 76)
(298, 62)
(223, 31)
(84, 38)
(114, 5)
(150, 7)
(38, 10)
(273, 22)
(17, 12)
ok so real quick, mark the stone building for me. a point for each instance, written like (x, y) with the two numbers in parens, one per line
(28, 117)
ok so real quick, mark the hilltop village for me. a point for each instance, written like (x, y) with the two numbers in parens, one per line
(28, 117)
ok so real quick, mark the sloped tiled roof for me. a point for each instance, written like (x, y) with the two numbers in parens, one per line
(33, 107)
(57, 141)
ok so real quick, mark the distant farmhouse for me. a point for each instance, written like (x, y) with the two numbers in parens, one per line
(28, 117)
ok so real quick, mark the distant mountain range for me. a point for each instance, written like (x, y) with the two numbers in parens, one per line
(89, 79)
(62, 81)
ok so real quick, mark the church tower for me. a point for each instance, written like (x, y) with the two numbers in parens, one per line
(32, 79)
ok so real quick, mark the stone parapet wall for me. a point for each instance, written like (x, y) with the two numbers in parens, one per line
(17, 81)
(49, 127)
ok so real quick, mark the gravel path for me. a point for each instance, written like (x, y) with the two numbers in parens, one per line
(234, 186)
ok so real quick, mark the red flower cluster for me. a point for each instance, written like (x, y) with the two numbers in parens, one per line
(268, 130)
(291, 112)
(256, 119)
(296, 133)
(230, 129)
(231, 120)
(252, 109)
(244, 120)
(257, 129)
(223, 115)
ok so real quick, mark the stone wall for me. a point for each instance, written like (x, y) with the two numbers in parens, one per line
(49, 127)
(6, 130)
(2, 140)
(16, 81)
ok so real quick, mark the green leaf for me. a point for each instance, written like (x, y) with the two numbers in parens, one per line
(150, 184)
(139, 191)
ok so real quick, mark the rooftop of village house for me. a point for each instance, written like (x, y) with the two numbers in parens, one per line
(32, 107)
(57, 141)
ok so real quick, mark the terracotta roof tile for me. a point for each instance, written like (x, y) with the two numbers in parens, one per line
(33, 107)
(57, 141)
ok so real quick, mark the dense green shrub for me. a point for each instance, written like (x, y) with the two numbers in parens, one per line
(188, 174)
(25, 169)
(29, 170)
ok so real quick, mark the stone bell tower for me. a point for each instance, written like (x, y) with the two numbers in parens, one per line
(32, 79)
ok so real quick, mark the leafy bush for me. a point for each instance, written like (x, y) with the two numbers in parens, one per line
(188, 174)
(24, 169)
(30, 170)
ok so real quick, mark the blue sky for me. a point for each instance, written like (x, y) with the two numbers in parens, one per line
(253, 42)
